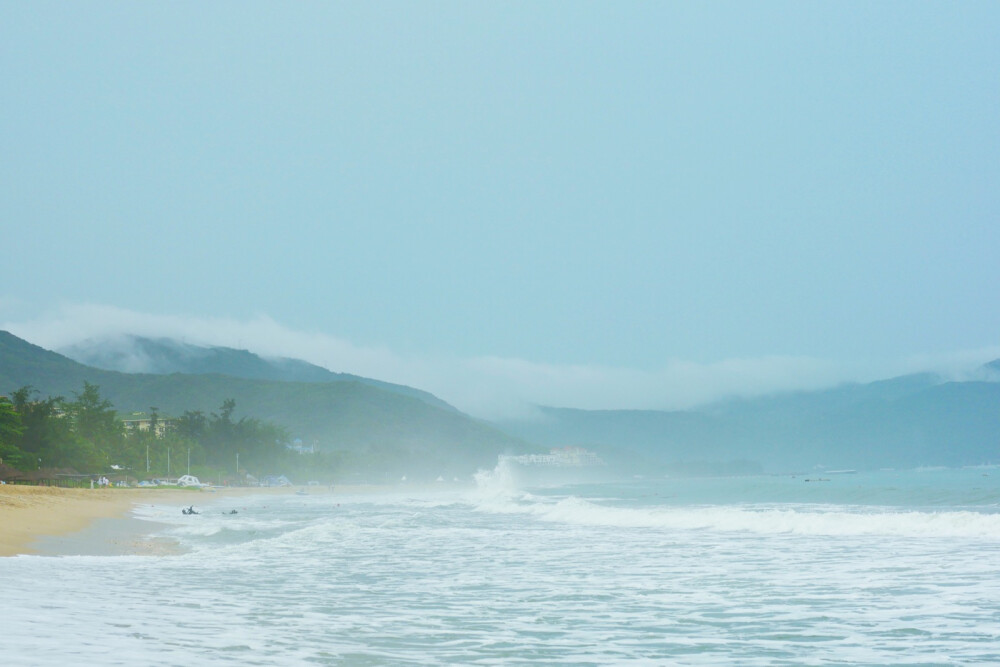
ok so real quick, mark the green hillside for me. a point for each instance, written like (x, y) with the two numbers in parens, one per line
(163, 356)
(378, 432)
(915, 420)
(905, 422)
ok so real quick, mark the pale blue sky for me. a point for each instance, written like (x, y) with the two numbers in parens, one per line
(629, 186)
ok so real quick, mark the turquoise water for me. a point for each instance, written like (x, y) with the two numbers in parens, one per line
(929, 488)
(891, 567)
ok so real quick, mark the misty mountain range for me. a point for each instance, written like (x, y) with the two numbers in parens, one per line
(381, 428)
(909, 421)
(163, 356)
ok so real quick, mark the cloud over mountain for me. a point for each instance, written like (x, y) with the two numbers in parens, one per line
(488, 386)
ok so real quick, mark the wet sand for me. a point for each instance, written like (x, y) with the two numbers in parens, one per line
(51, 521)
(30, 513)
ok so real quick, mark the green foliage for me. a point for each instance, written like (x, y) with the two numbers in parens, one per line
(370, 426)
(10, 422)
(86, 435)
(97, 433)
(11, 430)
(12, 455)
(258, 442)
(348, 415)
(93, 416)
(45, 429)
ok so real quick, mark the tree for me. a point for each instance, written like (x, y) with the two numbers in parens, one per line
(97, 432)
(154, 420)
(259, 442)
(10, 421)
(45, 430)
(191, 424)
(85, 434)
(93, 417)
(220, 437)
(10, 432)
(226, 411)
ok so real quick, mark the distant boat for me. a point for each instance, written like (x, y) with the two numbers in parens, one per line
(840, 472)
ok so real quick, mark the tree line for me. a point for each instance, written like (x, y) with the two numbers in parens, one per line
(85, 434)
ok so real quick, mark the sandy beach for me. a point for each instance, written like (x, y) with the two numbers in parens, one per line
(30, 513)
(55, 521)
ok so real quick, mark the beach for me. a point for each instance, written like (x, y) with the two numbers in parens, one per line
(878, 567)
(53, 521)
(30, 515)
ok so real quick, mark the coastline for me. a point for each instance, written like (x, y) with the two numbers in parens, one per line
(114, 536)
(53, 521)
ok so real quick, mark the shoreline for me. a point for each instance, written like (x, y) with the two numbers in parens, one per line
(108, 536)
(54, 521)
(44, 520)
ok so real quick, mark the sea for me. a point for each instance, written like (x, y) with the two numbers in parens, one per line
(891, 567)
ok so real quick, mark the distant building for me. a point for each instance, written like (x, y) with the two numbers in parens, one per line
(557, 456)
(298, 446)
(139, 421)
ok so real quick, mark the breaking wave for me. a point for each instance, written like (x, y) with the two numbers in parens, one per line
(832, 520)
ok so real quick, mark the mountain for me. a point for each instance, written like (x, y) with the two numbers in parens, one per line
(163, 356)
(990, 372)
(382, 431)
(908, 421)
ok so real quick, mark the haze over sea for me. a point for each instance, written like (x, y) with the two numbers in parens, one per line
(888, 567)
(546, 215)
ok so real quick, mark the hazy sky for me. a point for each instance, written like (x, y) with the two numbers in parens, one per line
(623, 204)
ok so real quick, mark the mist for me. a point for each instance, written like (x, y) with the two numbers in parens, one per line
(489, 387)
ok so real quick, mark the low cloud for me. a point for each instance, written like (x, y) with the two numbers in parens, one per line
(491, 387)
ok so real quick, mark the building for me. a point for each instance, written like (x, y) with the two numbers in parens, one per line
(298, 446)
(558, 456)
(139, 421)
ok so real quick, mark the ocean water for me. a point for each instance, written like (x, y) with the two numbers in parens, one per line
(890, 567)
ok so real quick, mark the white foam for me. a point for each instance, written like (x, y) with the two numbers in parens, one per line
(796, 520)
(497, 484)
(508, 576)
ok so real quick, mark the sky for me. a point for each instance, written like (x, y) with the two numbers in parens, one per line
(587, 204)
